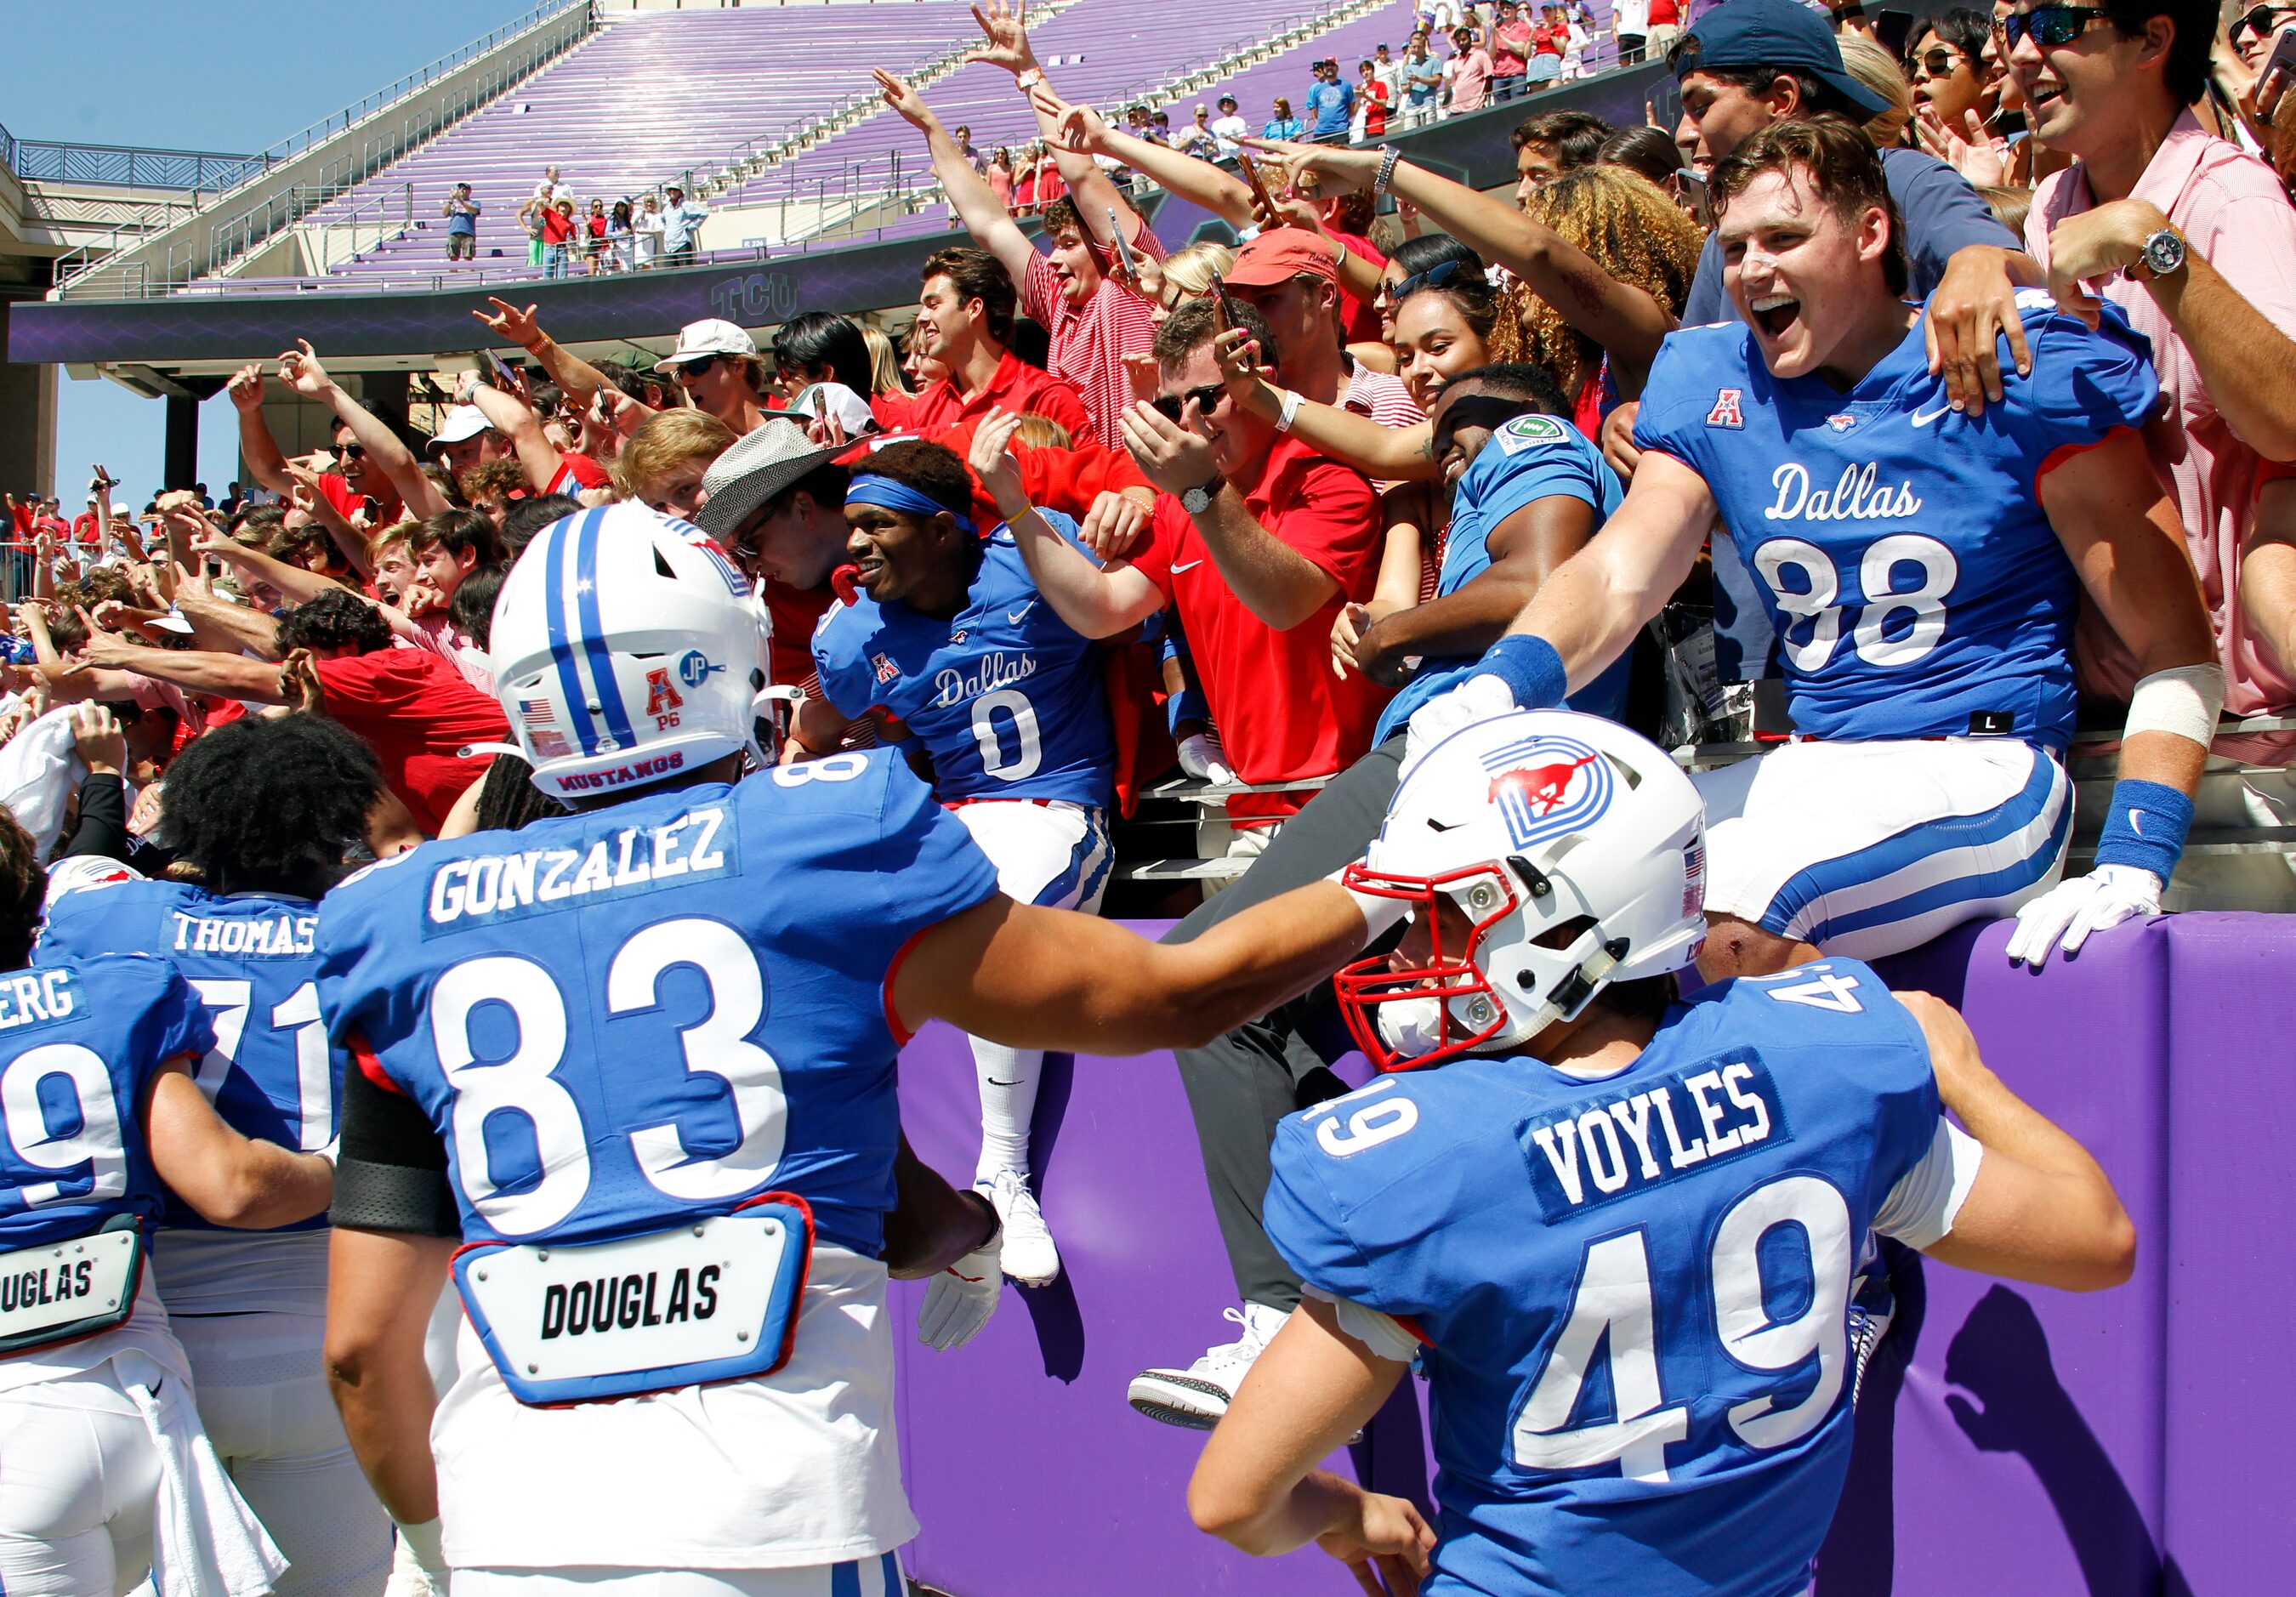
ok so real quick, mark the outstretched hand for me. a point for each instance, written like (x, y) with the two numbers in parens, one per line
(906, 102)
(246, 389)
(1324, 170)
(993, 461)
(299, 370)
(1006, 30)
(511, 325)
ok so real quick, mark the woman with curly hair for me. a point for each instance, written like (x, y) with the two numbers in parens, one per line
(1631, 232)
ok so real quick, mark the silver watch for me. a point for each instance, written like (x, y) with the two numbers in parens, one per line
(2164, 254)
(1196, 501)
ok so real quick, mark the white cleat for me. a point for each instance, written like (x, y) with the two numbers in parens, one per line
(1028, 1256)
(1198, 1395)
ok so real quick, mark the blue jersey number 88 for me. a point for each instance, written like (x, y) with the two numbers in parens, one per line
(1812, 597)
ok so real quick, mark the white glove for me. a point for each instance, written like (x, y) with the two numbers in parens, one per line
(1482, 697)
(959, 1300)
(1202, 758)
(2066, 914)
(418, 1564)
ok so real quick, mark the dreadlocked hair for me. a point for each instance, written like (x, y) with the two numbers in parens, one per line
(23, 888)
(267, 802)
(1633, 230)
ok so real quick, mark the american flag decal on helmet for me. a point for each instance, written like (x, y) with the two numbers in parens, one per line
(1547, 787)
(542, 734)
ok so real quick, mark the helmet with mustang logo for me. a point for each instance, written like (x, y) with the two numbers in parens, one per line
(1574, 853)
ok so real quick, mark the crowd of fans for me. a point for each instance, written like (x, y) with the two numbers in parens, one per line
(1261, 456)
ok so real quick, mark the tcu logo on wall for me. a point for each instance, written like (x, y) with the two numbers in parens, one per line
(1549, 786)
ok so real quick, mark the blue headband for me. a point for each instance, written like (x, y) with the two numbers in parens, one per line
(869, 488)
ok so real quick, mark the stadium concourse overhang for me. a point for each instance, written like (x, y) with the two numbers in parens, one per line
(183, 345)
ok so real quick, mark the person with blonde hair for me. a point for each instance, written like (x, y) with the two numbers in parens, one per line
(1870, 63)
(662, 464)
(884, 364)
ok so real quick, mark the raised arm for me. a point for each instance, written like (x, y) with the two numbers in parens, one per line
(2267, 569)
(256, 446)
(1626, 322)
(1079, 132)
(299, 370)
(976, 204)
(576, 378)
(1096, 601)
(515, 420)
(295, 582)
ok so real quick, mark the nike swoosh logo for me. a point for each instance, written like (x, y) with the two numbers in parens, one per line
(1191, 566)
(1015, 615)
(1920, 420)
(994, 1083)
(2137, 822)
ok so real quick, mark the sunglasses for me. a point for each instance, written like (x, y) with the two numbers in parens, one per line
(1434, 277)
(2050, 26)
(350, 451)
(2260, 20)
(1934, 63)
(1173, 406)
(692, 369)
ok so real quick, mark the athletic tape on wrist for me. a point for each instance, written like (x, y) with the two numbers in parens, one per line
(1531, 669)
(2184, 701)
(2145, 827)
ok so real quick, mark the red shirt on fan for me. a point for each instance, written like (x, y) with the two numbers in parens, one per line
(1090, 341)
(1064, 479)
(348, 502)
(577, 471)
(415, 710)
(1017, 387)
(1281, 713)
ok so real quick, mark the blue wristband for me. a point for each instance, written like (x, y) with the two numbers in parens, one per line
(2144, 827)
(1531, 667)
(1187, 704)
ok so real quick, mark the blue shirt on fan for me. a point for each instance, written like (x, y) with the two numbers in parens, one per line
(1633, 1291)
(1529, 457)
(271, 1074)
(1898, 547)
(624, 1018)
(1006, 699)
(80, 1040)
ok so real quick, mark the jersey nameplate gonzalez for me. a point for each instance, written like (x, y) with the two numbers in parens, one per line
(61, 1291)
(710, 1299)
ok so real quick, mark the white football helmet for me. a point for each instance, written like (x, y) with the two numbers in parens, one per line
(625, 649)
(1576, 852)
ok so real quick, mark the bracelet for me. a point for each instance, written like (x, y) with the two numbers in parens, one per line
(1386, 169)
(1340, 259)
(1031, 78)
(1290, 409)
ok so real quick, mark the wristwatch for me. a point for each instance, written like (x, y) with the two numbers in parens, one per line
(2163, 256)
(1196, 501)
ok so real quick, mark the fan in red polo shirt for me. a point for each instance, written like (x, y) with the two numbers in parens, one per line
(1256, 541)
(964, 321)
(413, 707)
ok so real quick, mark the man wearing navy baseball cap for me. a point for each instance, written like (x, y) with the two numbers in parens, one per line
(1752, 62)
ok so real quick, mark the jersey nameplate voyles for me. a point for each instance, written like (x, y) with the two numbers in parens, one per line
(1650, 1133)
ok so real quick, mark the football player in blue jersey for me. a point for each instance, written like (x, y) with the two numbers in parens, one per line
(948, 647)
(1618, 1233)
(631, 1070)
(106, 1467)
(267, 810)
(1923, 566)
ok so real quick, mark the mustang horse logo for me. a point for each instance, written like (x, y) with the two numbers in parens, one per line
(1546, 787)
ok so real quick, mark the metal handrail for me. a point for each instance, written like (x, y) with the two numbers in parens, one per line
(265, 218)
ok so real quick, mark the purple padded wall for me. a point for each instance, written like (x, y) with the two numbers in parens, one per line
(2122, 1445)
